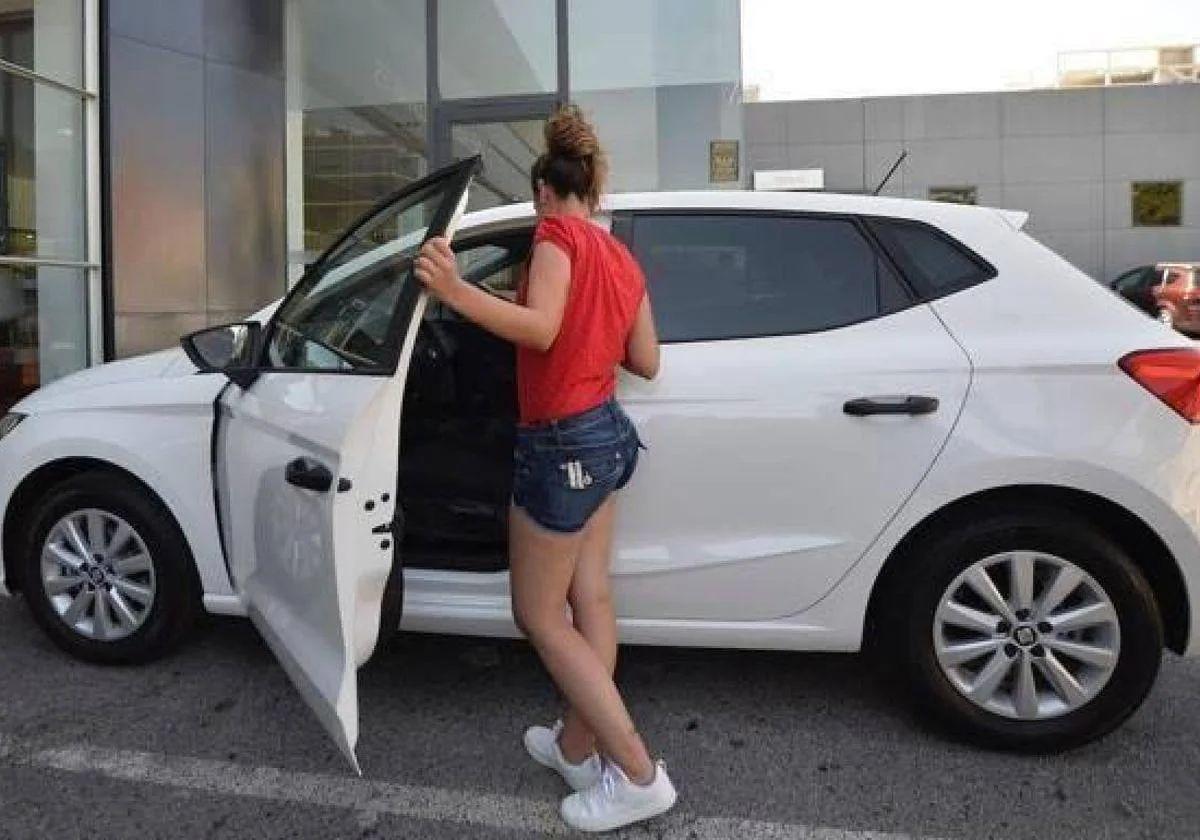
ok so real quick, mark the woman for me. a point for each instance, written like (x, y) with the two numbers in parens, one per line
(581, 311)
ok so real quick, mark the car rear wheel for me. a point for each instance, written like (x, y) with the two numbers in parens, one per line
(107, 573)
(1029, 631)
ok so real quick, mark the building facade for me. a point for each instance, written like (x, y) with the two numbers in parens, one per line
(171, 164)
(51, 286)
(1109, 175)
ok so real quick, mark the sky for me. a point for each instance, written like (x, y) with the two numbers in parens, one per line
(817, 49)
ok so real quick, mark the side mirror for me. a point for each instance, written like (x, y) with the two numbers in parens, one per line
(231, 349)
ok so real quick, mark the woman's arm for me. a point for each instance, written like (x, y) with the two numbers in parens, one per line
(641, 348)
(534, 325)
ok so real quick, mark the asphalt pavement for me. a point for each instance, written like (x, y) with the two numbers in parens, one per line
(214, 743)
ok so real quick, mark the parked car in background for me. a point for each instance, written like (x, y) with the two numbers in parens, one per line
(1177, 296)
(1168, 291)
(1137, 287)
(879, 421)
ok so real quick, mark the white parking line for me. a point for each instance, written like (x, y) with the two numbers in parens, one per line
(371, 799)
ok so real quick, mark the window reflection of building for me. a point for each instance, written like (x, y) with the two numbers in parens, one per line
(381, 91)
(48, 264)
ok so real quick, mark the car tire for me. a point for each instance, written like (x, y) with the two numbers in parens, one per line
(152, 556)
(942, 577)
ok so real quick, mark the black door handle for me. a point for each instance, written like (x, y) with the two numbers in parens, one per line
(308, 474)
(867, 406)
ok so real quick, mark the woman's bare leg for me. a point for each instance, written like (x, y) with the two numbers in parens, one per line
(591, 602)
(542, 566)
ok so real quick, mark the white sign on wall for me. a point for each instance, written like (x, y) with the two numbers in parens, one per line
(787, 180)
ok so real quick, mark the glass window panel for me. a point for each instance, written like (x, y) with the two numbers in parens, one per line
(495, 267)
(340, 319)
(356, 112)
(496, 47)
(43, 327)
(508, 149)
(45, 36)
(42, 194)
(735, 276)
(624, 44)
(661, 80)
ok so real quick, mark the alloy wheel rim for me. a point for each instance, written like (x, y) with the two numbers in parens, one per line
(1026, 635)
(97, 575)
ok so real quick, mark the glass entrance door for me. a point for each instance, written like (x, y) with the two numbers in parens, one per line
(508, 149)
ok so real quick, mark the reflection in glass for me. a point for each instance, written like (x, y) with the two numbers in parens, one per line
(339, 318)
(497, 47)
(43, 327)
(41, 157)
(508, 149)
(45, 36)
(224, 347)
(721, 277)
(661, 81)
(357, 115)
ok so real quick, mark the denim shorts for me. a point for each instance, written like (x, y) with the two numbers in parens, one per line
(565, 469)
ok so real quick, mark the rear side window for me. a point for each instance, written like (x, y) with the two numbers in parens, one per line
(726, 276)
(934, 264)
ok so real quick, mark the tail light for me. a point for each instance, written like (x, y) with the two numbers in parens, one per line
(1171, 375)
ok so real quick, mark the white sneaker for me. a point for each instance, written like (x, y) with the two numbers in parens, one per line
(542, 743)
(614, 801)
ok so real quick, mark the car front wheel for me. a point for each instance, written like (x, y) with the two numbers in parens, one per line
(106, 571)
(1029, 631)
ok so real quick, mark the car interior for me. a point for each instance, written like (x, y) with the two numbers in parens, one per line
(459, 423)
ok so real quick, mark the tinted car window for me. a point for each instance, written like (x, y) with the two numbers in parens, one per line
(934, 263)
(340, 316)
(739, 276)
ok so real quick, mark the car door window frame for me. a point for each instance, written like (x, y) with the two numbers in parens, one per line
(457, 178)
(624, 227)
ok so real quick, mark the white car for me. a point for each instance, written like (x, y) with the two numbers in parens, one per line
(878, 420)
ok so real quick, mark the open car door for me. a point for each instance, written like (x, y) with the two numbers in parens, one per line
(307, 455)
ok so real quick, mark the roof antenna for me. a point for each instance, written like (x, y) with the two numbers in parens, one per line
(891, 172)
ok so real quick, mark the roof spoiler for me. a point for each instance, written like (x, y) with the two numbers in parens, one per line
(1015, 218)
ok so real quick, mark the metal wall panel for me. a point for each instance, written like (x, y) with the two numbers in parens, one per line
(156, 102)
(842, 162)
(1067, 156)
(146, 332)
(246, 206)
(248, 33)
(1041, 112)
(174, 24)
(197, 205)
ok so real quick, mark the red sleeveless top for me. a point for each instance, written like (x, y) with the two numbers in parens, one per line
(578, 372)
